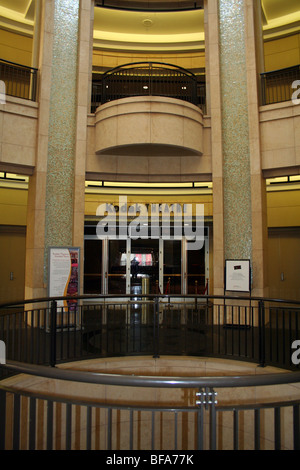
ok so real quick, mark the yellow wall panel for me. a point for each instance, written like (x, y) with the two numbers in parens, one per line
(110, 59)
(15, 48)
(282, 53)
(13, 206)
(283, 208)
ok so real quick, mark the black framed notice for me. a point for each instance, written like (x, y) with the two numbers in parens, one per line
(237, 275)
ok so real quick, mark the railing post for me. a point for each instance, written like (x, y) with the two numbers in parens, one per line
(156, 328)
(33, 84)
(2, 418)
(206, 399)
(263, 88)
(261, 333)
(53, 313)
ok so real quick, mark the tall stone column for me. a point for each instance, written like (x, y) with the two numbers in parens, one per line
(238, 186)
(56, 189)
(213, 79)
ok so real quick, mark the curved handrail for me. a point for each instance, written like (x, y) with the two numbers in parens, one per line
(153, 381)
(148, 296)
(162, 65)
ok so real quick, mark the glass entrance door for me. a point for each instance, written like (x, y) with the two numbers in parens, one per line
(93, 266)
(144, 266)
(172, 267)
(116, 267)
(195, 271)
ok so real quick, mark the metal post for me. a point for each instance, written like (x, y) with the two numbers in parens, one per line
(32, 423)
(257, 429)
(2, 418)
(49, 425)
(109, 429)
(296, 427)
(156, 328)
(261, 333)
(207, 399)
(277, 428)
(53, 333)
(213, 424)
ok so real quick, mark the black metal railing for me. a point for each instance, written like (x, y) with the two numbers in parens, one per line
(147, 79)
(256, 330)
(20, 81)
(38, 333)
(277, 85)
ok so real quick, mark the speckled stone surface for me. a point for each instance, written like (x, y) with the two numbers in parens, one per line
(235, 131)
(62, 125)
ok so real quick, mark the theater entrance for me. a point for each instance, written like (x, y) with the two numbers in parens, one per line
(144, 266)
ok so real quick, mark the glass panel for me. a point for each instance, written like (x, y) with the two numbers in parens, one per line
(172, 267)
(117, 267)
(92, 266)
(144, 259)
(196, 271)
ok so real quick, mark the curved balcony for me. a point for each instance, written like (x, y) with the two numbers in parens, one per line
(108, 387)
(148, 126)
(146, 110)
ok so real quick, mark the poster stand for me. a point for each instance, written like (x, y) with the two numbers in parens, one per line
(64, 281)
(237, 277)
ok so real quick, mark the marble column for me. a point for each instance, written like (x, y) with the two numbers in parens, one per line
(235, 131)
(62, 125)
(56, 189)
(238, 186)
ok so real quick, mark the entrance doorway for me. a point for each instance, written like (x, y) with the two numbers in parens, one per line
(144, 266)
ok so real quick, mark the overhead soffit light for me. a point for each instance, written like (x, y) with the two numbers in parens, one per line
(151, 5)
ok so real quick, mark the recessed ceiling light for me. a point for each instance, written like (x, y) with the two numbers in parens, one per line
(147, 22)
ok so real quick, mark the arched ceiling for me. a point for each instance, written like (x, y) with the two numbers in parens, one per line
(148, 29)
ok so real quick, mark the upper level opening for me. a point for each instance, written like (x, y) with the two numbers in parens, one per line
(131, 31)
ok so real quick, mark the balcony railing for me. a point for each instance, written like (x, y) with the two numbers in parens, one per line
(259, 330)
(39, 333)
(276, 86)
(20, 81)
(147, 79)
(150, 78)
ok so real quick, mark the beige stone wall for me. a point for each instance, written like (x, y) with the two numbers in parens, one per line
(280, 137)
(148, 138)
(18, 132)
